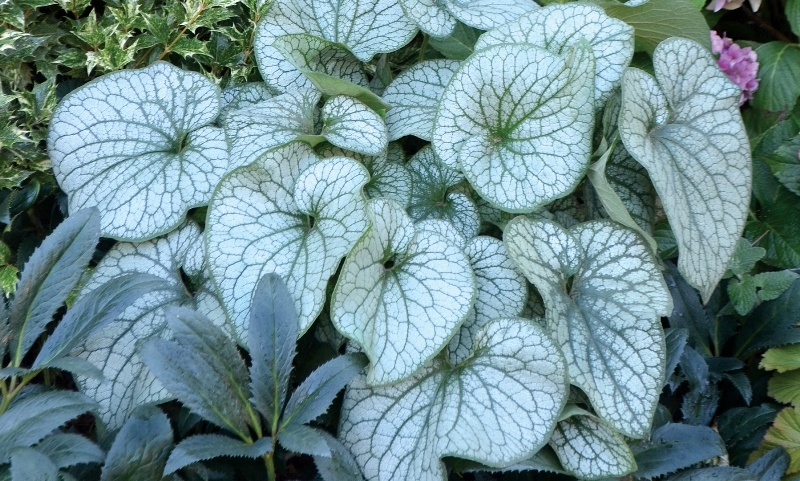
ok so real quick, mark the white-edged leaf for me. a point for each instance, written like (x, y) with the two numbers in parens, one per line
(501, 292)
(589, 449)
(243, 95)
(30, 465)
(488, 14)
(313, 54)
(254, 129)
(608, 321)
(208, 446)
(414, 96)
(557, 27)
(518, 121)
(432, 196)
(401, 294)
(351, 125)
(686, 130)
(259, 222)
(50, 274)
(127, 382)
(139, 144)
(364, 27)
(33, 417)
(67, 449)
(140, 450)
(272, 336)
(430, 16)
(497, 408)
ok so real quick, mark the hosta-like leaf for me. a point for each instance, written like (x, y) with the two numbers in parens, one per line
(557, 27)
(127, 382)
(208, 446)
(414, 95)
(388, 175)
(497, 408)
(289, 213)
(254, 129)
(401, 295)
(313, 54)
(364, 27)
(66, 449)
(430, 16)
(518, 121)
(501, 292)
(351, 125)
(488, 14)
(686, 130)
(141, 448)
(30, 465)
(589, 449)
(606, 318)
(432, 196)
(140, 145)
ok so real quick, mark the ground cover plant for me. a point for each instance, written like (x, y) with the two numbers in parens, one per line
(400, 239)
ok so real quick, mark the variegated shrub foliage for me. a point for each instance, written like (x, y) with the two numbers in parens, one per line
(497, 278)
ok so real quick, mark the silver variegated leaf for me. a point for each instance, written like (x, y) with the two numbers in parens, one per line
(589, 449)
(488, 14)
(351, 125)
(313, 54)
(430, 16)
(243, 95)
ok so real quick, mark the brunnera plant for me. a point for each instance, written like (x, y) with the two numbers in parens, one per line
(432, 266)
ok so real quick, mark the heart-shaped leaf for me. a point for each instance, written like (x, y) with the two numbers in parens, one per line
(139, 144)
(401, 294)
(685, 128)
(589, 449)
(351, 125)
(430, 16)
(604, 296)
(243, 95)
(555, 28)
(498, 407)
(314, 54)
(488, 14)
(518, 121)
(288, 213)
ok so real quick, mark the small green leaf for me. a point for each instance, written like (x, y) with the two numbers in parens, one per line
(341, 465)
(744, 258)
(782, 359)
(743, 429)
(779, 238)
(208, 446)
(140, 450)
(785, 387)
(793, 15)
(311, 55)
(778, 76)
(772, 284)
(67, 449)
(785, 164)
(773, 323)
(742, 294)
(299, 438)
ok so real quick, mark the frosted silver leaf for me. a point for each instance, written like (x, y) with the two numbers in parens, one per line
(518, 121)
(351, 125)
(685, 128)
(256, 128)
(608, 321)
(430, 16)
(589, 449)
(433, 197)
(488, 14)
(243, 95)
(140, 145)
(414, 96)
(309, 53)
(364, 27)
(288, 213)
(558, 27)
(401, 294)
(497, 408)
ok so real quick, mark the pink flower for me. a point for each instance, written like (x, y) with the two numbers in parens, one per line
(739, 64)
(717, 5)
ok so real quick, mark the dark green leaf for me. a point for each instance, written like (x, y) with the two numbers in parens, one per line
(773, 323)
(75, 365)
(743, 429)
(207, 446)
(459, 45)
(742, 384)
(770, 466)
(793, 15)
(742, 294)
(778, 75)
(50, 275)
(785, 164)
(780, 238)
(140, 450)
(299, 438)
(65, 450)
(675, 446)
(694, 368)
(722, 473)
(30, 465)
(313, 397)
(94, 311)
(744, 258)
(676, 342)
(340, 466)
(772, 284)
(272, 337)
(688, 312)
(699, 405)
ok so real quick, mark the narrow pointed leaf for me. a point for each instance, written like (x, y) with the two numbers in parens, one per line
(608, 322)
(351, 125)
(676, 446)
(66, 449)
(497, 408)
(686, 130)
(208, 446)
(140, 450)
(414, 96)
(260, 221)
(135, 139)
(49, 276)
(299, 438)
(401, 294)
(272, 336)
(589, 449)
(518, 121)
(488, 14)
(30, 465)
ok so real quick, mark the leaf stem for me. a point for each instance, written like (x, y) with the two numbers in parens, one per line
(15, 389)
(268, 461)
(762, 24)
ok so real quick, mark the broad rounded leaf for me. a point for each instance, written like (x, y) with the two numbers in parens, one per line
(401, 295)
(433, 196)
(414, 96)
(518, 121)
(608, 322)
(589, 449)
(243, 95)
(557, 27)
(430, 16)
(497, 408)
(488, 14)
(139, 144)
(364, 27)
(686, 130)
(351, 125)
(288, 213)
(388, 175)
(313, 54)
